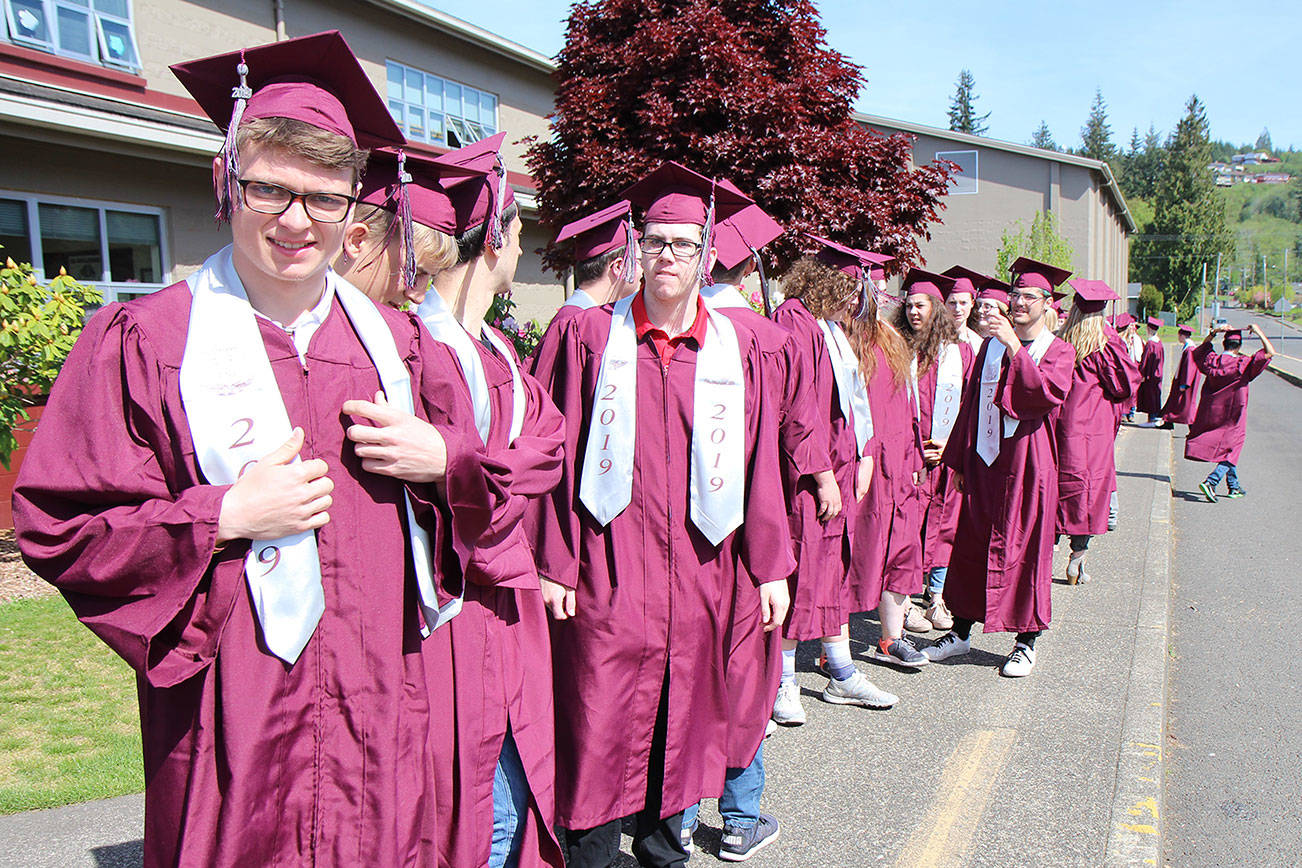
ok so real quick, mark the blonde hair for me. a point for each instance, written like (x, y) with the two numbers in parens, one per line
(435, 251)
(1051, 319)
(1085, 332)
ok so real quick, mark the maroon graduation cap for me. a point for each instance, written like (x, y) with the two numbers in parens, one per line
(609, 229)
(1185, 330)
(674, 193)
(741, 236)
(993, 289)
(1037, 275)
(484, 195)
(919, 282)
(1091, 295)
(1153, 322)
(414, 188)
(314, 79)
(965, 280)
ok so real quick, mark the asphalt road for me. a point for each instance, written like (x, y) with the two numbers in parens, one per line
(1234, 720)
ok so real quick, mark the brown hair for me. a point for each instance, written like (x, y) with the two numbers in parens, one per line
(867, 333)
(938, 331)
(435, 251)
(1085, 332)
(319, 147)
(824, 291)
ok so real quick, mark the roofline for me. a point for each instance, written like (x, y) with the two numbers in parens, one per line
(1012, 147)
(468, 32)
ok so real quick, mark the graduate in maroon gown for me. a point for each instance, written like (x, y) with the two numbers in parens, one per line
(1149, 398)
(607, 266)
(671, 473)
(273, 608)
(942, 363)
(1086, 426)
(1218, 430)
(961, 301)
(493, 715)
(1182, 400)
(1004, 453)
(886, 562)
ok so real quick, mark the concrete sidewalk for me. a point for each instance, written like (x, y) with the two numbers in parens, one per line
(1061, 768)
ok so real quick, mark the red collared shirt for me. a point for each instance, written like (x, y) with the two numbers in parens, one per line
(660, 339)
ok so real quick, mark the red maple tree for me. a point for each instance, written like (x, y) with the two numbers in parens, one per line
(742, 89)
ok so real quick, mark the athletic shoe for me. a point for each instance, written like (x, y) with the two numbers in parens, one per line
(738, 844)
(857, 690)
(787, 709)
(686, 833)
(1209, 492)
(901, 653)
(938, 614)
(1076, 574)
(915, 621)
(1020, 662)
(1236, 493)
(947, 646)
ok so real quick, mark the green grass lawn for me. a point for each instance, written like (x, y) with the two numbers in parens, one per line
(70, 728)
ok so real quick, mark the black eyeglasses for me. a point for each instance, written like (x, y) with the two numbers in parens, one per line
(681, 247)
(267, 198)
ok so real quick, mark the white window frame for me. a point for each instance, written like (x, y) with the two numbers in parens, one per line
(975, 174)
(447, 116)
(97, 49)
(112, 291)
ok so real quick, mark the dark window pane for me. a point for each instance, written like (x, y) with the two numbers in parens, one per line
(118, 45)
(29, 20)
(134, 252)
(74, 31)
(70, 239)
(13, 231)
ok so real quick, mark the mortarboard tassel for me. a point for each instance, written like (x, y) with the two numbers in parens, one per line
(703, 276)
(865, 287)
(628, 262)
(404, 218)
(495, 236)
(230, 154)
(764, 281)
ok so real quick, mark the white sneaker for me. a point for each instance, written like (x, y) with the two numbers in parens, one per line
(1020, 662)
(1076, 574)
(857, 690)
(947, 646)
(787, 709)
(770, 727)
(915, 621)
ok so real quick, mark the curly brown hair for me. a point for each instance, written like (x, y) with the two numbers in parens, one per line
(938, 331)
(825, 292)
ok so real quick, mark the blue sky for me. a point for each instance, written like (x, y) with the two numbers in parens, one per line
(1038, 60)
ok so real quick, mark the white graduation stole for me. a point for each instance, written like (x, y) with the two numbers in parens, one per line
(721, 295)
(445, 328)
(579, 299)
(717, 480)
(849, 384)
(237, 416)
(949, 391)
(989, 431)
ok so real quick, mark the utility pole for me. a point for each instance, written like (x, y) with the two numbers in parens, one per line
(1216, 291)
(1202, 307)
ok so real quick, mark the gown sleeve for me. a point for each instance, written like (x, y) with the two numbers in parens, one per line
(1032, 391)
(766, 536)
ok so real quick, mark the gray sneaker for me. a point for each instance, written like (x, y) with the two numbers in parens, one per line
(739, 844)
(947, 646)
(857, 690)
(900, 653)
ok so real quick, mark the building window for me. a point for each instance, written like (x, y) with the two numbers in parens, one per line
(965, 179)
(118, 248)
(435, 110)
(98, 31)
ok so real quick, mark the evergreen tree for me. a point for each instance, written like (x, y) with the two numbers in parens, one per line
(1143, 165)
(1188, 228)
(1042, 138)
(1263, 141)
(1096, 135)
(746, 90)
(962, 109)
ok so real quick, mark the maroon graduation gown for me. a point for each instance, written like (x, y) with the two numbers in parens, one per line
(822, 550)
(1149, 397)
(1086, 435)
(940, 499)
(497, 651)
(653, 595)
(1000, 571)
(249, 761)
(887, 551)
(1182, 401)
(790, 386)
(1217, 431)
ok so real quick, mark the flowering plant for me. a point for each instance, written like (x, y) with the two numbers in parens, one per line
(524, 337)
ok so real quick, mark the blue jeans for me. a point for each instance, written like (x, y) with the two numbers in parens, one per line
(1227, 470)
(936, 579)
(510, 802)
(739, 804)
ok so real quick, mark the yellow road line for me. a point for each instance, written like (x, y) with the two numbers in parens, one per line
(966, 782)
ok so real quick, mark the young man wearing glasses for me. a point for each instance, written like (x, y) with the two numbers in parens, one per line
(1002, 453)
(661, 545)
(219, 498)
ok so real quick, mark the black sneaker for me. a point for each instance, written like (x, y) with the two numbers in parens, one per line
(740, 844)
(1236, 492)
(1209, 492)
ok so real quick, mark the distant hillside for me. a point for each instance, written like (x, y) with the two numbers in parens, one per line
(1267, 219)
